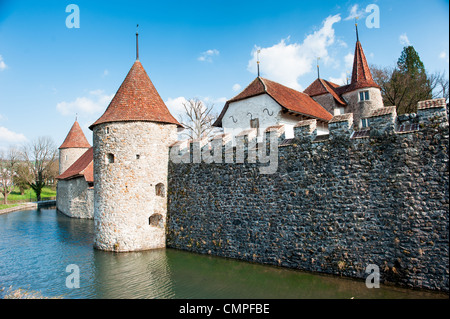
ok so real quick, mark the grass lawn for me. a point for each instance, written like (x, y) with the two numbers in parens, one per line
(29, 193)
(3, 206)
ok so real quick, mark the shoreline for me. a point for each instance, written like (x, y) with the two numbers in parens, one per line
(32, 205)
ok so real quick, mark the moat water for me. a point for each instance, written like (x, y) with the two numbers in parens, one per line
(36, 246)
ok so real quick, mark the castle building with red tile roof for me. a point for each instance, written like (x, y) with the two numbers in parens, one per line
(75, 193)
(265, 103)
(360, 97)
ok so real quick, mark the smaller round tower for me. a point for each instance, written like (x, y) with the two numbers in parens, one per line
(363, 95)
(72, 148)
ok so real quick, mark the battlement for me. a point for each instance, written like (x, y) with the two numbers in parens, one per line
(325, 203)
(382, 123)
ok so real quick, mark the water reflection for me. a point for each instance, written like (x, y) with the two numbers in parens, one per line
(132, 275)
(36, 246)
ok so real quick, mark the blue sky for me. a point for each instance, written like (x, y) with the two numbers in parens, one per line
(203, 49)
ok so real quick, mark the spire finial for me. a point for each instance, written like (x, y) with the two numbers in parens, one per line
(318, 72)
(356, 26)
(76, 117)
(137, 43)
(257, 59)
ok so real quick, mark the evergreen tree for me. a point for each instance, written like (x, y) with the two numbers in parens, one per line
(406, 84)
(409, 62)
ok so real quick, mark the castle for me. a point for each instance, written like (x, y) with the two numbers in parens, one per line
(355, 183)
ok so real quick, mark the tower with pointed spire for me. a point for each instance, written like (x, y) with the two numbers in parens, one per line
(131, 156)
(360, 97)
(74, 145)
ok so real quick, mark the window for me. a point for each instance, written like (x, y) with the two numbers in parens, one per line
(159, 189)
(107, 130)
(66, 157)
(156, 220)
(138, 156)
(364, 123)
(364, 96)
(109, 158)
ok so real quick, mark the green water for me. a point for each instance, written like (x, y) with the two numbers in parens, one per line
(36, 246)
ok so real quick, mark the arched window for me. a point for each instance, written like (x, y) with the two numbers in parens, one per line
(160, 189)
(156, 220)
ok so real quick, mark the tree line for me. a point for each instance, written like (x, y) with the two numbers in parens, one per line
(34, 166)
(408, 82)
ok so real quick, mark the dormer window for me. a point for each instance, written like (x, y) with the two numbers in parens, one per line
(364, 96)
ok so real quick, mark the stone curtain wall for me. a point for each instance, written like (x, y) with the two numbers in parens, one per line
(75, 198)
(334, 205)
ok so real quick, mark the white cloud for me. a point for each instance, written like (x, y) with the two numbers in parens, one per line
(105, 73)
(342, 80)
(443, 55)
(285, 62)
(3, 65)
(96, 102)
(208, 55)
(175, 106)
(355, 13)
(236, 87)
(8, 138)
(403, 38)
(349, 61)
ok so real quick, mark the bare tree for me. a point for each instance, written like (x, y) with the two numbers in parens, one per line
(40, 156)
(22, 177)
(442, 89)
(404, 90)
(197, 119)
(8, 162)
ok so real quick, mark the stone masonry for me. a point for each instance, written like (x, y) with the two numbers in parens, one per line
(335, 204)
(130, 172)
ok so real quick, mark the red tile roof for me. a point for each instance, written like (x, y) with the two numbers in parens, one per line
(82, 167)
(75, 138)
(289, 99)
(320, 86)
(361, 76)
(136, 100)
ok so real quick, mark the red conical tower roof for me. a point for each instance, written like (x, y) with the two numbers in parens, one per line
(361, 76)
(75, 138)
(136, 100)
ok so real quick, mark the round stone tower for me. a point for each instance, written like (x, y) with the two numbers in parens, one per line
(131, 156)
(72, 148)
(363, 95)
